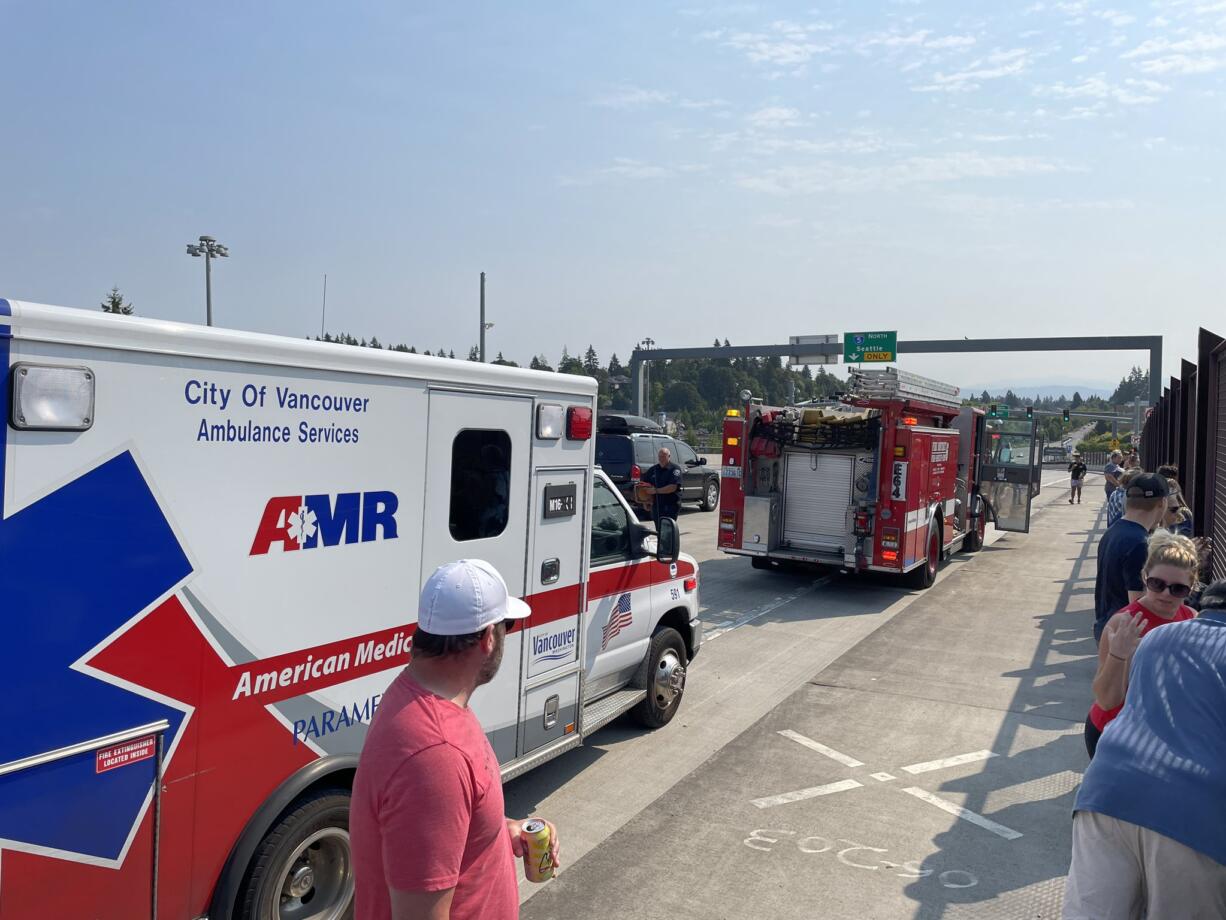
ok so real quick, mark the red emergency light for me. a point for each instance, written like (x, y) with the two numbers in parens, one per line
(690, 584)
(579, 423)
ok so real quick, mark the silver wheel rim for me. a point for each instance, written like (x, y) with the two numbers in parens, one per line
(316, 882)
(669, 679)
(712, 495)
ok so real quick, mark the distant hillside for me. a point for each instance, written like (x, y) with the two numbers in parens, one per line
(1039, 392)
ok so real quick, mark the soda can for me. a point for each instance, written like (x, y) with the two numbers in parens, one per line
(538, 864)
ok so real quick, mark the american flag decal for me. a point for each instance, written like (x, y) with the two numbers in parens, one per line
(619, 618)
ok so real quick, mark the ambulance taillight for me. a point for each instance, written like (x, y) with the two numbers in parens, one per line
(579, 423)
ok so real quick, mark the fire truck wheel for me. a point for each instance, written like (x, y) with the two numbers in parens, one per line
(974, 540)
(665, 679)
(926, 574)
(303, 868)
(710, 496)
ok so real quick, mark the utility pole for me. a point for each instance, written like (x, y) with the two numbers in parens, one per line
(484, 324)
(481, 338)
(323, 313)
(647, 344)
(210, 249)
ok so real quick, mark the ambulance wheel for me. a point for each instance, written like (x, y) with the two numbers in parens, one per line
(664, 679)
(710, 496)
(303, 868)
(926, 574)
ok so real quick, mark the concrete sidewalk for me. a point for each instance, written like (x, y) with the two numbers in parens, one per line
(929, 772)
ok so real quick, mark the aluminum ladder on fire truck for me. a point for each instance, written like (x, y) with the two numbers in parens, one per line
(891, 383)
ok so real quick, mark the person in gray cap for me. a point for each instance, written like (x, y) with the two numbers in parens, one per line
(430, 836)
(1122, 549)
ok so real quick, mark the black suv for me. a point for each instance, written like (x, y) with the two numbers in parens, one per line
(626, 445)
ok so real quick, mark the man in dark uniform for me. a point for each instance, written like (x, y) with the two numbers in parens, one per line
(664, 480)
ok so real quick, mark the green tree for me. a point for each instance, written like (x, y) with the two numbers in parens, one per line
(591, 363)
(474, 354)
(114, 303)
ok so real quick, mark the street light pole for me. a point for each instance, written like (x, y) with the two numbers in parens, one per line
(647, 344)
(210, 249)
(484, 325)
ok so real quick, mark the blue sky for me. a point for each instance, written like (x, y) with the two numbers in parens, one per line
(679, 170)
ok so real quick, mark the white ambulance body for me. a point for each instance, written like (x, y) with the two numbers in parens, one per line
(212, 544)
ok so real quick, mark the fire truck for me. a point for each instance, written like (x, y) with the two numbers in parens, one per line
(211, 548)
(892, 477)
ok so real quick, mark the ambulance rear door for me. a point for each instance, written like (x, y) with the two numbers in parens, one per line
(556, 593)
(478, 461)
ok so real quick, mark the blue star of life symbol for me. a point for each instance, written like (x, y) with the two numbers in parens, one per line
(63, 594)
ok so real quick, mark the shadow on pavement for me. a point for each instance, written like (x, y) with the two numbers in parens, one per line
(1054, 687)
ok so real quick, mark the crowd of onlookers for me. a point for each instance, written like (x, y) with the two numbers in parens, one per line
(1149, 828)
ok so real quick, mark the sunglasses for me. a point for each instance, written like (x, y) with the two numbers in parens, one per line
(1157, 586)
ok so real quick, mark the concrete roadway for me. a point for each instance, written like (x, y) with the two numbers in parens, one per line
(847, 748)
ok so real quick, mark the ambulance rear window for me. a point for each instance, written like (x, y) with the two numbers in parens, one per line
(480, 484)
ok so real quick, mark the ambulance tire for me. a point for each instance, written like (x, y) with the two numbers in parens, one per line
(924, 575)
(664, 677)
(311, 838)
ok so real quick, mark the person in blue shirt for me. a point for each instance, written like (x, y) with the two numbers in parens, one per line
(1148, 834)
(1122, 549)
(665, 481)
(1112, 472)
(1115, 501)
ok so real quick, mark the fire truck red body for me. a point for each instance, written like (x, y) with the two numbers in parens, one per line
(883, 480)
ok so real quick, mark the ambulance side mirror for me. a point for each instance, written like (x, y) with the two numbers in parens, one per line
(668, 542)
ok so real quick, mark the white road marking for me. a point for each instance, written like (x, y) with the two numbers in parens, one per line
(766, 608)
(929, 765)
(821, 749)
(881, 777)
(964, 813)
(812, 792)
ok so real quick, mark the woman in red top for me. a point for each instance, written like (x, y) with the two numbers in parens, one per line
(1170, 574)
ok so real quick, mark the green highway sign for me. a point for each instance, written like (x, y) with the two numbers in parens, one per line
(866, 347)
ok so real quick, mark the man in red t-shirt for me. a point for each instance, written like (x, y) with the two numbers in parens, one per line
(430, 837)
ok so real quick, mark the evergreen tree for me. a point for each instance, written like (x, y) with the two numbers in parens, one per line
(591, 363)
(474, 354)
(114, 303)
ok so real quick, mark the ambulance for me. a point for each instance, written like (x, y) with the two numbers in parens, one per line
(211, 548)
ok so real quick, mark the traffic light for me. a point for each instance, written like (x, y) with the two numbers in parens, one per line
(992, 411)
(1029, 413)
(1065, 414)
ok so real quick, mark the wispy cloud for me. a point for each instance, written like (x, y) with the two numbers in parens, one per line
(783, 44)
(993, 66)
(1130, 92)
(632, 97)
(826, 176)
(1198, 54)
(774, 117)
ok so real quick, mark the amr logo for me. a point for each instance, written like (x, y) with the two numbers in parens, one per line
(294, 522)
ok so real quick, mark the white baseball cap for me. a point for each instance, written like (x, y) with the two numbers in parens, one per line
(466, 596)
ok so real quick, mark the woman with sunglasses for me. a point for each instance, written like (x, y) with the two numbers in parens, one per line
(1171, 565)
(1178, 518)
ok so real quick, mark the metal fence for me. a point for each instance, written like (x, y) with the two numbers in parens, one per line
(1187, 427)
